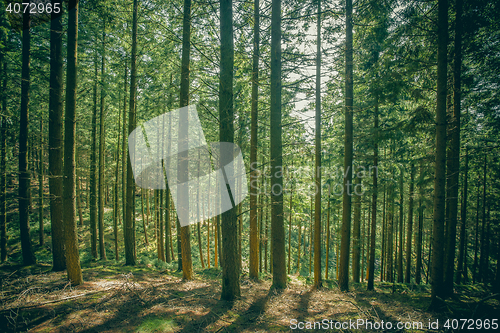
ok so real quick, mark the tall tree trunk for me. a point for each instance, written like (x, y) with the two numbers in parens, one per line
(102, 138)
(409, 231)
(462, 255)
(116, 206)
(71, 238)
(290, 214)
(182, 167)
(3, 156)
(401, 225)
(40, 187)
(418, 270)
(254, 232)
(483, 225)
(356, 234)
(348, 150)
(129, 221)
(24, 174)
(383, 261)
(277, 227)
(327, 235)
(440, 166)
(56, 143)
(229, 228)
(371, 262)
(93, 169)
(453, 160)
(124, 150)
(317, 172)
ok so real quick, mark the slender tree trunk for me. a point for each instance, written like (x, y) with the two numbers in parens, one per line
(93, 168)
(129, 221)
(409, 231)
(356, 234)
(327, 259)
(418, 270)
(24, 174)
(290, 228)
(40, 187)
(311, 239)
(453, 160)
(348, 152)
(440, 166)
(383, 260)
(371, 262)
(182, 167)
(56, 142)
(476, 239)
(116, 205)
(102, 137)
(401, 225)
(71, 238)
(229, 229)
(254, 232)
(482, 240)
(317, 141)
(461, 270)
(277, 227)
(3, 155)
(124, 150)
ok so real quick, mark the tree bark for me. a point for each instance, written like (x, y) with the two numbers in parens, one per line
(401, 225)
(317, 173)
(40, 187)
(229, 228)
(462, 255)
(453, 160)
(418, 270)
(371, 262)
(356, 234)
(277, 227)
(409, 231)
(3, 156)
(24, 174)
(254, 232)
(56, 143)
(440, 166)
(93, 169)
(71, 238)
(129, 222)
(102, 138)
(348, 152)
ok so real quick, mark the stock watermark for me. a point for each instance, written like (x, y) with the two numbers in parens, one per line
(204, 179)
(334, 177)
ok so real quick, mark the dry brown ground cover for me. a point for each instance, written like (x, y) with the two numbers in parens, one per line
(115, 298)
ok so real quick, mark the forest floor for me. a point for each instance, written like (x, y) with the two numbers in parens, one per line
(117, 298)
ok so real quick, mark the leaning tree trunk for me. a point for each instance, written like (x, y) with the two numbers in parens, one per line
(348, 152)
(56, 142)
(440, 166)
(71, 238)
(24, 175)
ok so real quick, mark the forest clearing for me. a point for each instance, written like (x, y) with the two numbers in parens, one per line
(249, 165)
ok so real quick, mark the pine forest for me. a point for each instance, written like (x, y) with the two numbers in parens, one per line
(249, 165)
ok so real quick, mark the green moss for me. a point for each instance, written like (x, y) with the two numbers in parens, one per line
(156, 325)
